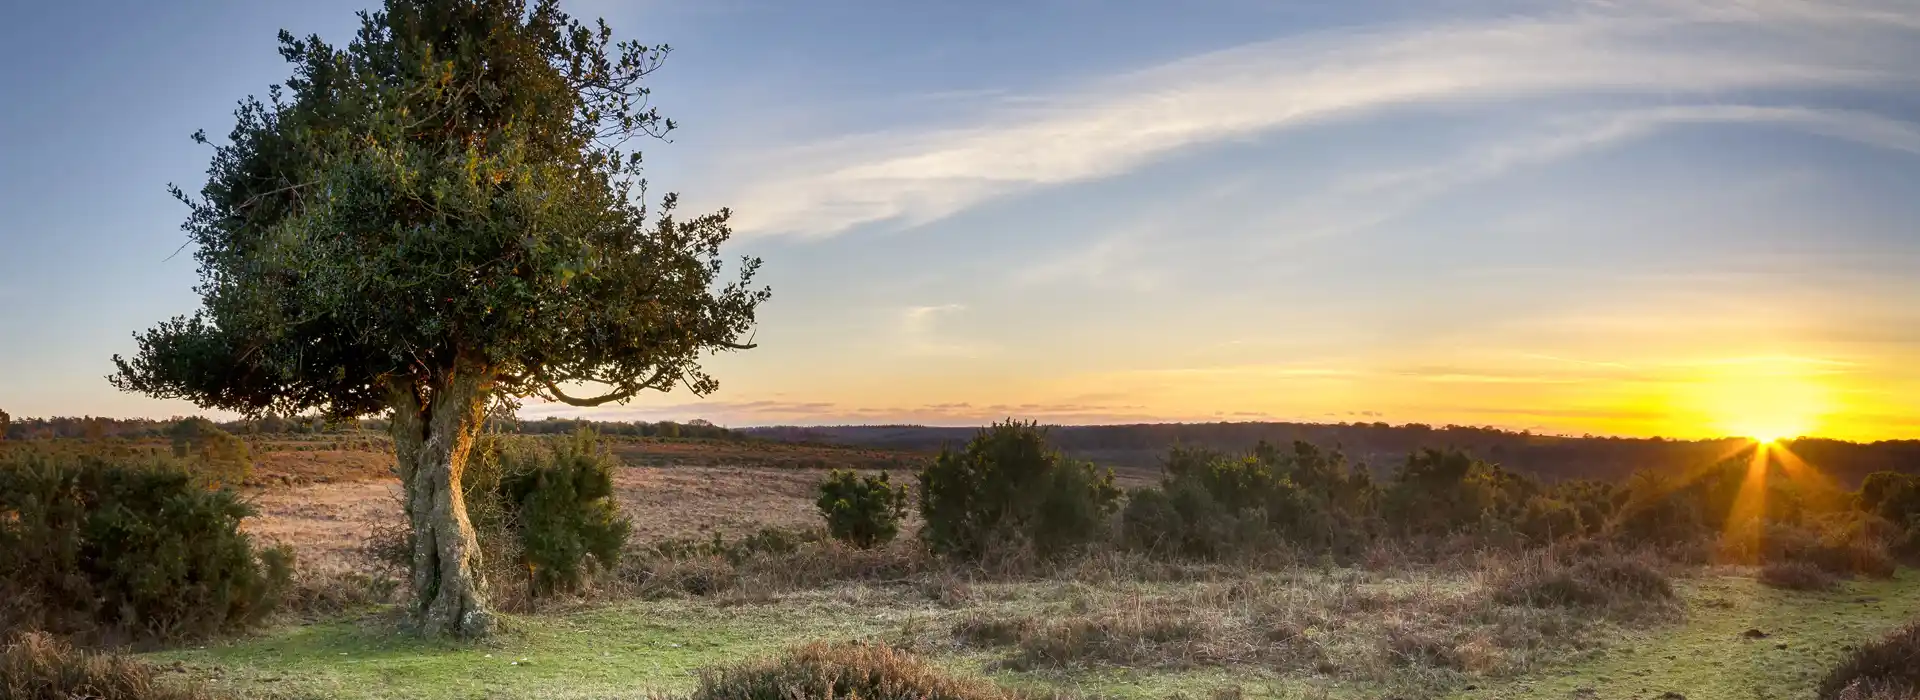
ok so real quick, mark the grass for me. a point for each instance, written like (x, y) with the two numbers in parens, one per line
(1356, 623)
(1712, 656)
(35, 666)
(632, 649)
(1337, 633)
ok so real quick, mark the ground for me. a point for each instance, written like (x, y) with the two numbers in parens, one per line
(1728, 638)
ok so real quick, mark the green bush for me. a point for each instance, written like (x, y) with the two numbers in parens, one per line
(1210, 504)
(1445, 492)
(217, 455)
(126, 549)
(863, 512)
(556, 498)
(1546, 519)
(1008, 487)
(35, 666)
(1658, 511)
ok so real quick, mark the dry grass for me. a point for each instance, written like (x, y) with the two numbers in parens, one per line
(1887, 668)
(829, 672)
(1626, 583)
(763, 455)
(35, 666)
(1797, 576)
(1410, 628)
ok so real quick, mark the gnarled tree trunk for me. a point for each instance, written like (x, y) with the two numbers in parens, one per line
(432, 435)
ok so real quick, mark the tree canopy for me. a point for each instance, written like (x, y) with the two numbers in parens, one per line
(453, 189)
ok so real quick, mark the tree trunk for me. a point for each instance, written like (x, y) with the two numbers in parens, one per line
(432, 435)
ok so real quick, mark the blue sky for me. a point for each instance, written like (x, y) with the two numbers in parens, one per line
(1624, 216)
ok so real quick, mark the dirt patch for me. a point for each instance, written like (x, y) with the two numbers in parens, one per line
(705, 453)
(295, 468)
(326, 522)
(679, 502)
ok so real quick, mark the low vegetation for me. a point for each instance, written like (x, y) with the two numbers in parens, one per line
(1008, 492)
(862, 511)
(36, 666)
(1881, 670)
(843, 671)
(126, 548)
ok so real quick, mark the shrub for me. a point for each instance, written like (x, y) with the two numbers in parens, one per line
(130, 548)
(862, 512)
(558, 501)
(219, 456)
(36, 666)
(1442, 492)
(1888, 668)
(1838, 547)
(1211, 505)
(1546, 519)
(1796, 576)
(842, 671)
(1009, 487)
(1605, 579)
(1658, 512)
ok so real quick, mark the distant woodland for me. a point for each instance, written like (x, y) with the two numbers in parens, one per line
(1381, 446)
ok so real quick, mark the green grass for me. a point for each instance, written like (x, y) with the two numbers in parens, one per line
(642, 649)
(1710, 657)
(627, 650)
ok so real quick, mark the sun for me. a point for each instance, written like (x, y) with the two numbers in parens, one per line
(1763, 403)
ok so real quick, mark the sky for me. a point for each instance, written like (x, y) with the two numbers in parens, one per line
(1625, 217)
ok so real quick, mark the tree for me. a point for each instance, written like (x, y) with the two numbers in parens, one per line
(6, 422)
(444, 211)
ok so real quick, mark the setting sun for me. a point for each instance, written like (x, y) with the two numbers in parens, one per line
(1767, 399)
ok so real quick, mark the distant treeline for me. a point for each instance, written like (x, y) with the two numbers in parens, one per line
(136, 428)
(1381, 446)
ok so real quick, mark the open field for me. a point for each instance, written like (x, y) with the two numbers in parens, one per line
(1112, 627)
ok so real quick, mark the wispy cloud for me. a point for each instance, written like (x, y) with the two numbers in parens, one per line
(1669, 50)
(919, 333)
(1369, 199)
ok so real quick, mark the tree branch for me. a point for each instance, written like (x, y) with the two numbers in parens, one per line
(628, 393)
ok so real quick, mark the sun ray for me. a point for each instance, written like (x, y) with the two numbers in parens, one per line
(1745, 522)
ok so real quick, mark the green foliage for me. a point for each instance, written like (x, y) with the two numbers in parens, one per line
(1545, 519)
(1008, 487)
(1210, 504)
(126, 548)
(450, 193)
(556, 499)
(863, 512)
(220, 456)
(1442, 492)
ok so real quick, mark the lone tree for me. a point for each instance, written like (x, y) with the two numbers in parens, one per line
(442, 212)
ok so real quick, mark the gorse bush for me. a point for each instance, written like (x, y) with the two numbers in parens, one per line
(123, 548)
(1008, 487)
(36, 666)
(863, 512)
(554, 500)
(217, 455)
(1210, 504)
(1445, 492)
